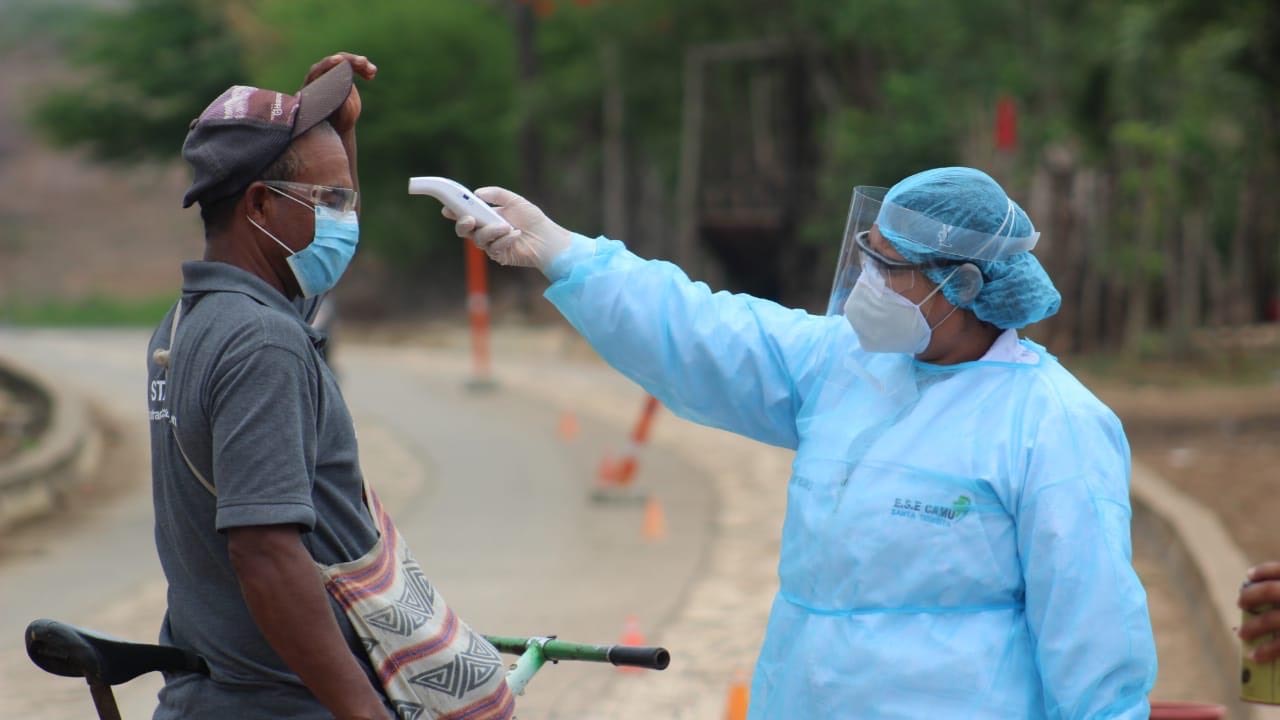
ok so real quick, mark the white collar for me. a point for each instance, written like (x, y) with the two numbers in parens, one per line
(1007, 349)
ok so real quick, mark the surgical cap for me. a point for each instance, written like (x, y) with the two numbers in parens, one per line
(1016, 291)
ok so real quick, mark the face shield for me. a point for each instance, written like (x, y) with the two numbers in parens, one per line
(947, 246)
(863, 211)
(858, 256)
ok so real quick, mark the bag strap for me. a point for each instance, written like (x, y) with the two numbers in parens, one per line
(173, 428)
(164, 358)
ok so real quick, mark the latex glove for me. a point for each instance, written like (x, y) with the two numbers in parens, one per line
(532, 240)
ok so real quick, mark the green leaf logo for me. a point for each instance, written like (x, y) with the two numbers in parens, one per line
(961, 506)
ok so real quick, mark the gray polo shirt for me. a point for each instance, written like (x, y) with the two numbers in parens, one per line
(261, 417)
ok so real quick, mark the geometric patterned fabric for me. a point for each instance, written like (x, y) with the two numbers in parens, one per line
(431, 664)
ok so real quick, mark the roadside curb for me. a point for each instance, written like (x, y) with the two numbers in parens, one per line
(1206, 567)
(32, 483)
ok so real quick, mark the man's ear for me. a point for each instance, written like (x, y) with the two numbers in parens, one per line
(255, 202)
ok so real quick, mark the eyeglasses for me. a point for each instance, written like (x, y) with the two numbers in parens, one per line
(898, 274)
(863, 239)
(337, 199)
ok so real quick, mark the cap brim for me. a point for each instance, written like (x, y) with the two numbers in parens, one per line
(322, 96)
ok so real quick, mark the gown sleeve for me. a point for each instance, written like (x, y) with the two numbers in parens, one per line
(726, 360)
(1085, 606)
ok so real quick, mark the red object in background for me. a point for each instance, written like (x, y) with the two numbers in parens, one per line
(1006, 124)
(478, 309)
(547, 8)
(1272, 312)
(1162, 710)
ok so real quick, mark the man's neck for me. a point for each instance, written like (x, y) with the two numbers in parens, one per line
(220, 249)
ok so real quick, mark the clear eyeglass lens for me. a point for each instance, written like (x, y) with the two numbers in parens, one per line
(337, 199)
(895, 278)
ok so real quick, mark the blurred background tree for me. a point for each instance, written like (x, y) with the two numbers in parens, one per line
(1142, 136)
(149, 71)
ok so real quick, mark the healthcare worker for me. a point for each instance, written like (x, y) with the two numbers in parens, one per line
(956, 542)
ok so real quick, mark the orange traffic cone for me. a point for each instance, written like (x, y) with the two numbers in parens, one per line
(735, 707)
(655, 522)
(631, 636)
(607, 473)
(568, 427)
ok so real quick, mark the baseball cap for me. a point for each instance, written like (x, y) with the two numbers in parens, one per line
(246, 128)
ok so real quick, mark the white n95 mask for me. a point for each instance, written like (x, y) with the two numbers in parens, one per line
(884, 320)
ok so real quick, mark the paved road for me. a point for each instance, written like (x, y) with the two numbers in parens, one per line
(491, 500)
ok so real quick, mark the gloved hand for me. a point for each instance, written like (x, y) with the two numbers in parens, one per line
(532, 240)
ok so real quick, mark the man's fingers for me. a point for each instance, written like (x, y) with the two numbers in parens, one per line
(445, 211)
(501, 197)
(1266, 652)
(362, 67)
(1260, 625)
(321, 67)
(1256, 594)
(359, 64)
(1265, 571)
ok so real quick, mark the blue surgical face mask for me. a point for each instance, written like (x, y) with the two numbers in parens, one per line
(318, 266)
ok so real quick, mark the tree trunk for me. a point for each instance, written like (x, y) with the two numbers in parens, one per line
(1217, 311)
(1088, 327)
(1184, 296)
(1241, 274)
(1061, 164)
(614, 168)
(529, 138)
(687, 192)
(1137, 319)
(654, 226)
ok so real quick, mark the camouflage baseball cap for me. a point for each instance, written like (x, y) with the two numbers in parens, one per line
(246, 128)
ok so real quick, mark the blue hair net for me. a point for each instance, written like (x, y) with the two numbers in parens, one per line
(1016, 291)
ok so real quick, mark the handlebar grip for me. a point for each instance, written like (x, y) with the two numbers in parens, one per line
(653, 658)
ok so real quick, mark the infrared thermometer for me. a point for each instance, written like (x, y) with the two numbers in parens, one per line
(457, 198)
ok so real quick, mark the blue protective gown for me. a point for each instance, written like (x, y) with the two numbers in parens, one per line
(956, 542)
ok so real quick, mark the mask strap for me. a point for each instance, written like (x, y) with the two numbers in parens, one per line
(944, 318)
(933, 296)
(273, 237)
(935, 291)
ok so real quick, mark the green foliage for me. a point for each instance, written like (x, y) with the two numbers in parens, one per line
(151, 69)
(92, 311)
(1171, 102)
(650, 39)
(57, 19)
(440, 104)
(911, 77)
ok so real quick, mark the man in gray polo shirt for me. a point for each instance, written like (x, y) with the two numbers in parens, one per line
(255, 471)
